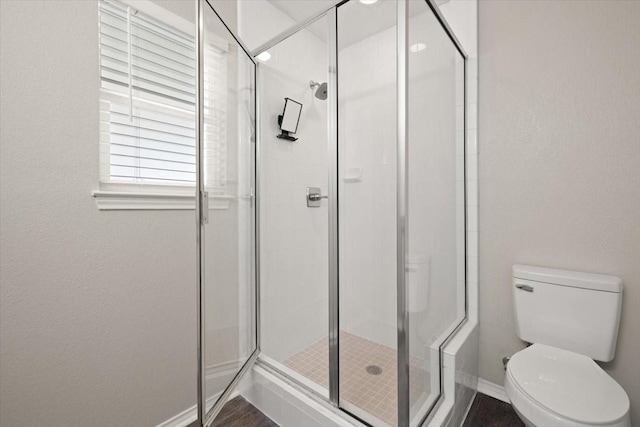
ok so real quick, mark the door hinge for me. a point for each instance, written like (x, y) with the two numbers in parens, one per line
(204, 207)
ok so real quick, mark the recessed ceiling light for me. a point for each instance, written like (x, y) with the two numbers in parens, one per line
(368, 1)
(417, 47)
(264, 56)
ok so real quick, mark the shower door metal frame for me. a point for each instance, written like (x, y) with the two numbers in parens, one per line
(401, 209)
(205, 418)
(334, 236)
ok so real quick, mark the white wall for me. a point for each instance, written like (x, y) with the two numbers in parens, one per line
(294, 240)
(98, 308)
(559, 170)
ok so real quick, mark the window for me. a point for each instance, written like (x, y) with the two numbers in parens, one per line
(147, 103)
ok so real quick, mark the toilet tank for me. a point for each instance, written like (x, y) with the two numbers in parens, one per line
(575, 311)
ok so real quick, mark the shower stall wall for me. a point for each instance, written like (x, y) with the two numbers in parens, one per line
(348, 245)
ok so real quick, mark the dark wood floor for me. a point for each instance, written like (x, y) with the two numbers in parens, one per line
(489, 412)
(485, 412)
(239, 413)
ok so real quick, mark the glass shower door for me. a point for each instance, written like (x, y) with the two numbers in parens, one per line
(227, 238)
(294, 240)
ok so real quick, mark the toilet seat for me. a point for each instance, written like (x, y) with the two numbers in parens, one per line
(551, 387)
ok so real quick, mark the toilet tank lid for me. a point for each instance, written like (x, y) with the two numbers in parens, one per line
(575, 279)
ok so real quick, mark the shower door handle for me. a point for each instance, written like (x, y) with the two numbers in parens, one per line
(314, 197)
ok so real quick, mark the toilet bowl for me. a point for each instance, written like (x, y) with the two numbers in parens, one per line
(551, 387)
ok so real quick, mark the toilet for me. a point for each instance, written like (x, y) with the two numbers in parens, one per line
(570, 319)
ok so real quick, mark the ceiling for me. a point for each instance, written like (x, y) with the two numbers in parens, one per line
(368, 19)
(300, 10)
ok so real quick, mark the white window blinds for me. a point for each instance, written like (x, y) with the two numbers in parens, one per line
(148, 94)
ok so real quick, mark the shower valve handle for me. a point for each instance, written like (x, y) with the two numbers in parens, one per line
(314, 196)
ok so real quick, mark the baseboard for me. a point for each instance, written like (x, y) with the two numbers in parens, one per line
(493, 390)
(183, 419)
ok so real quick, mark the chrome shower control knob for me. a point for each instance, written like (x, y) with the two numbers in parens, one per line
(314, 197)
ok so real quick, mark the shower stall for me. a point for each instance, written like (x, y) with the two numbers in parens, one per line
(338, 259)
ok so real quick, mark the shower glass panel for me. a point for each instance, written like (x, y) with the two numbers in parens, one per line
(358, 292)
(435, 269)
(228, 236)
(294, 295)
(367, 144)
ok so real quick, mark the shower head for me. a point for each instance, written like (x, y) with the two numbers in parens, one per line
(321, 91)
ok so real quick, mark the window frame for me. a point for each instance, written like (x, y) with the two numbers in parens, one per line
(124, 195)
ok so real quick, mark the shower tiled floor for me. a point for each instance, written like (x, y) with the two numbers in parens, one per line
(375, 394)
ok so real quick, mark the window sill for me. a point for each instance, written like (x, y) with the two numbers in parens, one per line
(129, 200)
